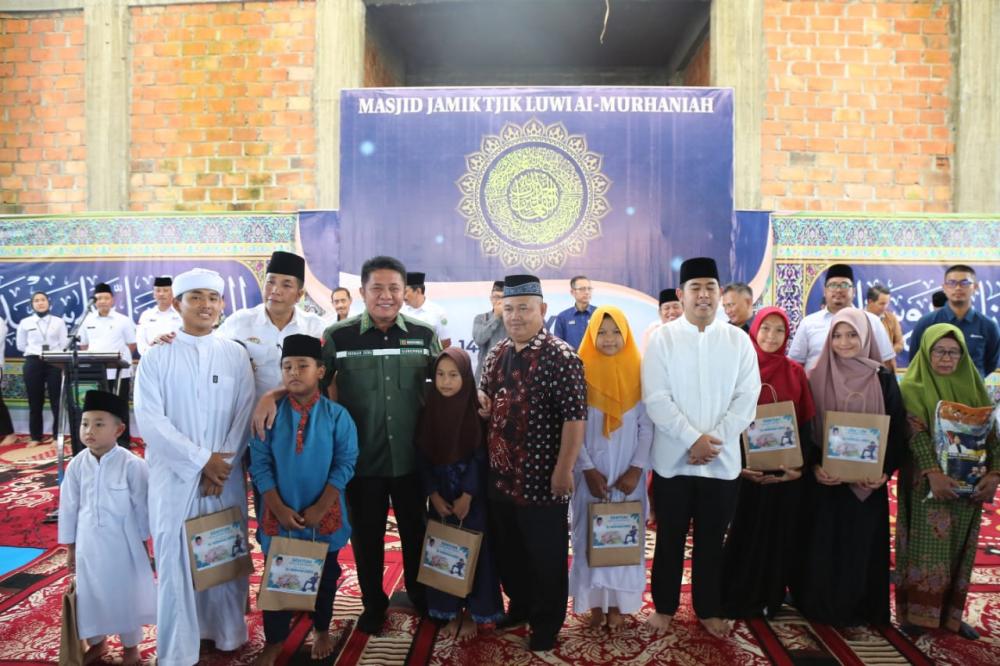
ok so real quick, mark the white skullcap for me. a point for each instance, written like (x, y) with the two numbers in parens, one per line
(198, 278)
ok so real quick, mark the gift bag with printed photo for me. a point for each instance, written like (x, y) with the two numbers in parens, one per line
(70, 645)
(448, 559)
(291, 574)
(617, 534)
(218, 548)
(772, 439)
(854, 445)
(960, 441)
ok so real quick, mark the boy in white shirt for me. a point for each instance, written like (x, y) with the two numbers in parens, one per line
(103, 519)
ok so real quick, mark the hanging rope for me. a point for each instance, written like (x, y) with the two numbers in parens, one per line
(607, 13)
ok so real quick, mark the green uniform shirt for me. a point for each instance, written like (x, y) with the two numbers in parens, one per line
(381, 378)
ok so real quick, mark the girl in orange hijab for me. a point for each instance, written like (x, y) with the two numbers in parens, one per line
(612, 464)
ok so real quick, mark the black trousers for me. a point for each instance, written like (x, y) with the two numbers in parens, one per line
(278, 624)
(40, 377)
(368, 508)
(532, 547)
(678, 502)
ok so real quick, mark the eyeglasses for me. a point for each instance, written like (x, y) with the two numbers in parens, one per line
(583, 289)
(942, 354)
(965, 284)
(839, 285)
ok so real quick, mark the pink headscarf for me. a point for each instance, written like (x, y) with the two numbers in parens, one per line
(848, 384)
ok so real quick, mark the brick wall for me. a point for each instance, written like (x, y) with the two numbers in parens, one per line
(697, 72)
(42, 129)
(857, 110)
(221, 107)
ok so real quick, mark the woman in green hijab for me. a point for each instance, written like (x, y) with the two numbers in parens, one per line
(936, 531)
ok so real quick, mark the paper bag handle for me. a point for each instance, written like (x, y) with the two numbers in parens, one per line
(774, 394)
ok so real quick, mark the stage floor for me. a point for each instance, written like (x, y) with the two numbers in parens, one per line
(30, 598)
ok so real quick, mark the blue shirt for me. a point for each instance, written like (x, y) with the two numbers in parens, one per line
(571, 324)
(329, 451)
(982, 336)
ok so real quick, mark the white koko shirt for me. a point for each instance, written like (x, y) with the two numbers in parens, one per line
(694, 383)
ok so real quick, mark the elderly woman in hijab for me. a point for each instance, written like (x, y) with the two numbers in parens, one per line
(844, 580)
(612, 464)
(761, 547)
(936, 530)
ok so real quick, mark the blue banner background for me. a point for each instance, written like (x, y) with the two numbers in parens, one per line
(670, 173)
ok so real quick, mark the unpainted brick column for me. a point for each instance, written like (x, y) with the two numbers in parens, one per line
(340, 63)
(736, 40)
(106, 26)
(977, 150)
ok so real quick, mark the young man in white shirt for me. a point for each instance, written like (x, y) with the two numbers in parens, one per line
(38, 332)
(193, 400)
(418, 307)
(108, 330)
(160, 319)
(810, 336)
(700, 384)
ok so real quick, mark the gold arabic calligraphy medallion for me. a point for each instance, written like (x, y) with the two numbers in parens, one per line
(533, 195)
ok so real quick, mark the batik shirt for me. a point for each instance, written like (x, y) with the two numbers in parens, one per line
(534, 392)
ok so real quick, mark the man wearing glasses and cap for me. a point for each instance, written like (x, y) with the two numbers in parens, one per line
(810, 336)
(981, 333)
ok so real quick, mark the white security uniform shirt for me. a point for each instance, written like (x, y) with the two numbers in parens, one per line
(107, 334)
(252, 328)
(812, 332)
(192, 398)
(34, 332)
(154, 322)
(103, 510)
(698, 383)
(431, 314)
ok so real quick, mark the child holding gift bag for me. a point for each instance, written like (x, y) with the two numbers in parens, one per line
(301, 469)
(612, 465)
(451, 453)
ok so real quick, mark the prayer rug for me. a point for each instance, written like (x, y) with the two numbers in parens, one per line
(30, 599)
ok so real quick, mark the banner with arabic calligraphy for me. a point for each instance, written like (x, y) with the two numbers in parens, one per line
(65, 256)
(470, 184)
(908, 254)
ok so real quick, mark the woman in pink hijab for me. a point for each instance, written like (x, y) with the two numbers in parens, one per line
(844, 580)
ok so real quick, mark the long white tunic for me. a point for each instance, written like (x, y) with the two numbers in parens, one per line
(192, 398)
(699, 382)
(254, 330)
(154, 322)
(103, 510)
(604, 587)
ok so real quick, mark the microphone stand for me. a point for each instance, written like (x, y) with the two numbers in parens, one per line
(68, 414)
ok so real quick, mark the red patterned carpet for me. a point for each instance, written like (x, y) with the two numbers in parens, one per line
(30, 602)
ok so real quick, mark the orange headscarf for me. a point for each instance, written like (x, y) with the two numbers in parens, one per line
(613, 382)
